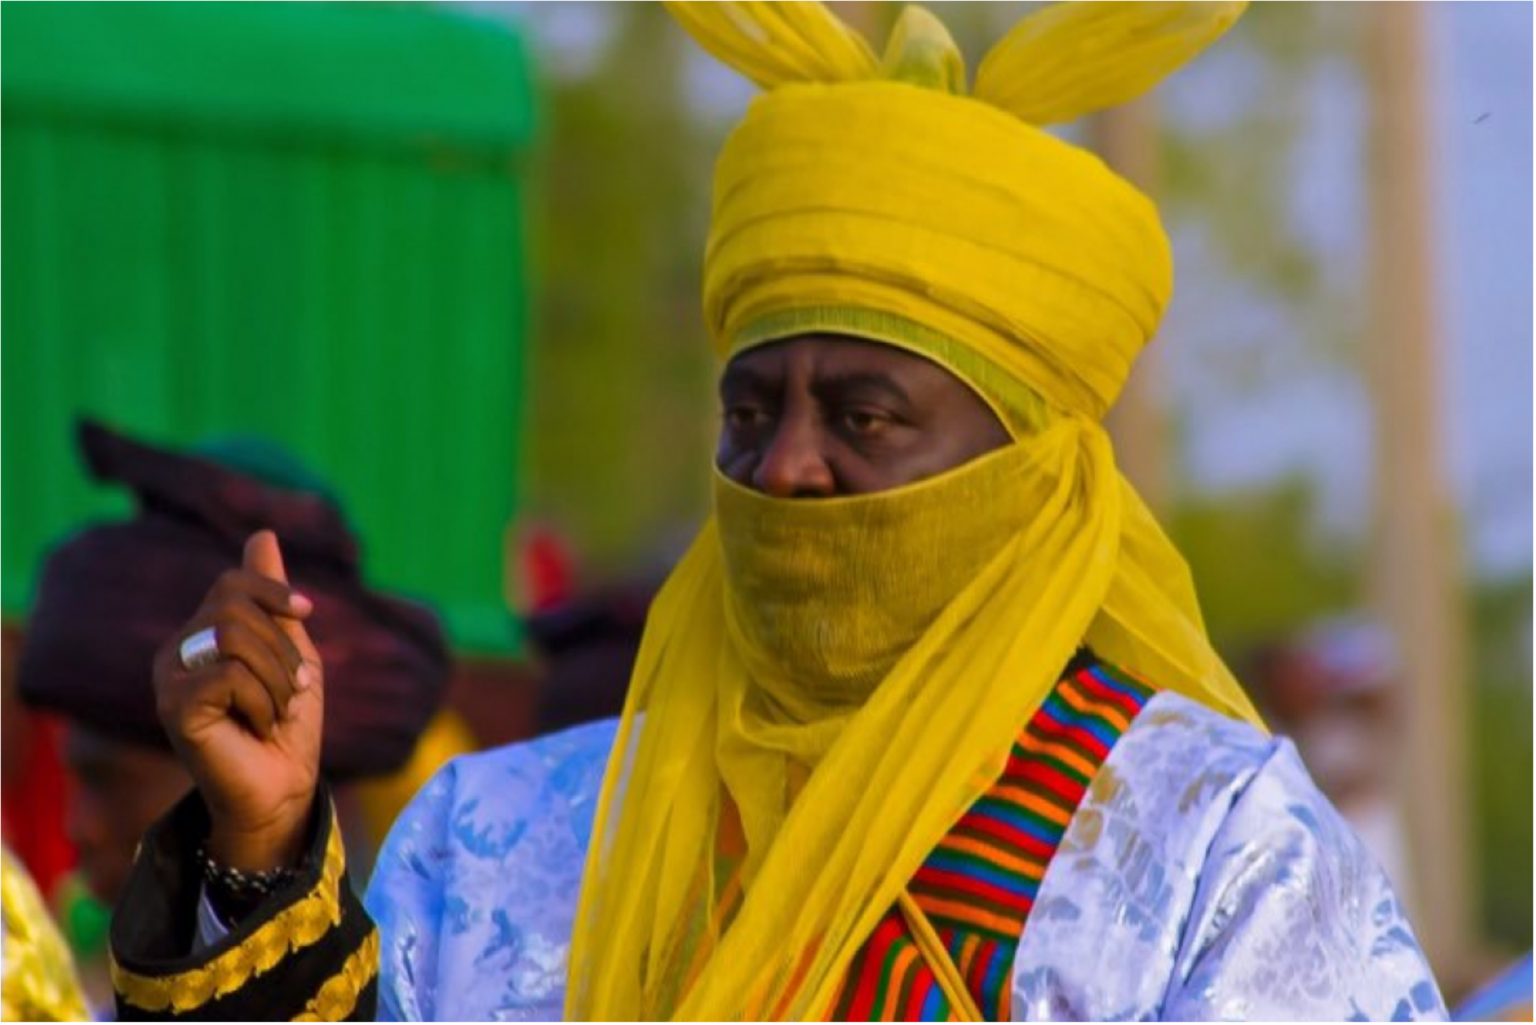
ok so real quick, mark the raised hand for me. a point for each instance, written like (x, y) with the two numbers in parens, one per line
(247, 725)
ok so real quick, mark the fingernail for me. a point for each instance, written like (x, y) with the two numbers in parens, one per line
(301, 604)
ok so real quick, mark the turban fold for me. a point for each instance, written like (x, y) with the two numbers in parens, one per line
(947, 213)
(111, 594)
(825, 685)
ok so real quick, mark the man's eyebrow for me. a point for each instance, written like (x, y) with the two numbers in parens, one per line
(838, 385)
(738, 378)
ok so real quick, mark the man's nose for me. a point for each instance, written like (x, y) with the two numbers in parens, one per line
(794, 465)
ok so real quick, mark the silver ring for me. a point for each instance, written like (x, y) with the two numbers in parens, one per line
(201, 649)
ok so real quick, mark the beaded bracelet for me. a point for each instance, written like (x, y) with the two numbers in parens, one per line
(239, 886)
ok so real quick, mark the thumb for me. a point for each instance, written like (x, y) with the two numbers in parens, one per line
(262, 555)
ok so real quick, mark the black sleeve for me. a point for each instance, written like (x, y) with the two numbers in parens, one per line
(308, 952)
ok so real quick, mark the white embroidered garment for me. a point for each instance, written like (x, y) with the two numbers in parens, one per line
(1202, 877)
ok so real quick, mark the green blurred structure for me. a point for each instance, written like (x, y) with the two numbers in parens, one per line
(302, 221)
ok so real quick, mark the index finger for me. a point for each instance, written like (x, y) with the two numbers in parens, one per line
(263, 555)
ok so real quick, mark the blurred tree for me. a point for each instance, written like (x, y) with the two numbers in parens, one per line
(1230, 172)
(620, 366)
(1260, 566)
(1501, 766)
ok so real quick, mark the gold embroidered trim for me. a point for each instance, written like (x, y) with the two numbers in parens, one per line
(297, 926)
(337, 996)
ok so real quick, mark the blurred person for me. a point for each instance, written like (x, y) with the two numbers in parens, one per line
(1331, 691)
(925, 724)
(583, 639)
(108, 594)
(1285, 680)
(37, 979)
(1348, 744)
(586, 647)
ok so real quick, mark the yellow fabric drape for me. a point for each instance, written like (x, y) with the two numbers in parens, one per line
(40, 983)
(848, 675)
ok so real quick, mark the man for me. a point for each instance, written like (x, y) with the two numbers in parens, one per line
(109, 594)
(924, 725)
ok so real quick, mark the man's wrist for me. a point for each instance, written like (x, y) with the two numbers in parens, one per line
(274, 846)
(242, 865)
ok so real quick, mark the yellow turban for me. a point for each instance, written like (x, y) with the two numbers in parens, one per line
(826, 685)
(843, 189)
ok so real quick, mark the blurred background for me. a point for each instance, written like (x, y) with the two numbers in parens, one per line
(448, 256)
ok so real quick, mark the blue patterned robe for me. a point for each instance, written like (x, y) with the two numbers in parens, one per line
(1203, 877)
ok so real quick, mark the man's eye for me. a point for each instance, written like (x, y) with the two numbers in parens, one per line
(863, 421)
(744, 418)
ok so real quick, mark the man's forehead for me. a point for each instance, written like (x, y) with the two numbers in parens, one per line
(825, 354)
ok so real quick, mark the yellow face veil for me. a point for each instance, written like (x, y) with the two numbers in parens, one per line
(825, 686)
